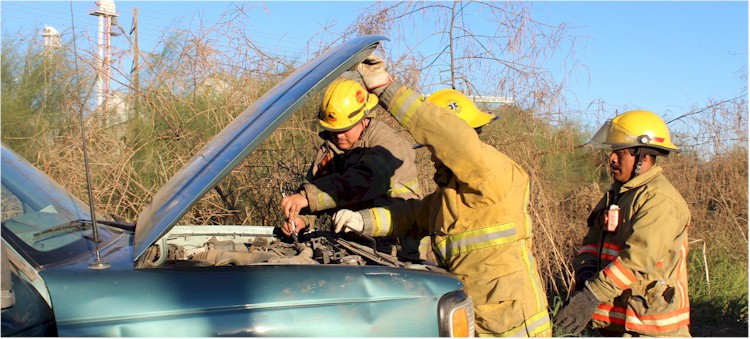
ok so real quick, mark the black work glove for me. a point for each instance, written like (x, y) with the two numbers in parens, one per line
(582, 275)
(575, 316)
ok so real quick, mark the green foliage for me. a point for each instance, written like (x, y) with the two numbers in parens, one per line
(37, 85)
(718, 302)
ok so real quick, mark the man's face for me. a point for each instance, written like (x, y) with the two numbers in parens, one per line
(621, 164)
(345, 140)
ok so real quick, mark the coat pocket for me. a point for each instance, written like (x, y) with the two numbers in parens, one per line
(654, 309)
(655, 298)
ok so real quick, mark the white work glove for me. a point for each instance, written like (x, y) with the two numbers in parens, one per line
(352, 220)
(374, 75)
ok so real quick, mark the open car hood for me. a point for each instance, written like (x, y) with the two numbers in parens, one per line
(228, 148)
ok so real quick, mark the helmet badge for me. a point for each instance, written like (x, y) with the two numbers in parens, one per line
(360, 97)
(454, 107)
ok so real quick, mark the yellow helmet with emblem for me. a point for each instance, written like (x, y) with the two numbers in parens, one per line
(462, 106)
(637, 128)
(345, 104)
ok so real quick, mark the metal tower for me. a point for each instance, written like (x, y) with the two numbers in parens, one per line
(51, 37)
(105, 12)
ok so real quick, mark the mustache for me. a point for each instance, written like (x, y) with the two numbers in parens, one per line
(614, 167)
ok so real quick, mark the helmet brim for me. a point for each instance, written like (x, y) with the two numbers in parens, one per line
(356, 117)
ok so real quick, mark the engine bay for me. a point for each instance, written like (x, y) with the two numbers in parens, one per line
(240, 245)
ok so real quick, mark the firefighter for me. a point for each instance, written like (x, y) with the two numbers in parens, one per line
(631, 275)
(477, 218)
(361, 163)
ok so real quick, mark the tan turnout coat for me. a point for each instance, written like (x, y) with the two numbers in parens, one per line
(480, 226)
(642, 276)
(378, 170)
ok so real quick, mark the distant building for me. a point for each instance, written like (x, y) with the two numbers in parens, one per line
(491, 102)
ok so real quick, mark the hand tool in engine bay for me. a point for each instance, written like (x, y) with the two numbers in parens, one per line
(290, 220)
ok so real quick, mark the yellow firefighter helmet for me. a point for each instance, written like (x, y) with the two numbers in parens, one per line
(634, 129)
(345, 104)
(462, 106)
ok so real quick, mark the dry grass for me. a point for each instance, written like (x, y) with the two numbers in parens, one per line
(174, 111)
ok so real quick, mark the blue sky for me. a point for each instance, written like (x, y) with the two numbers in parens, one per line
(668, 57)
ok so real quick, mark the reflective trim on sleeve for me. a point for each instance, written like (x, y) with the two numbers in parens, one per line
(324, 200)
(621, 276)
(659, 323)
(476, 239)
(405, 190)
(405, 106)
(609, 253)
(381, 222)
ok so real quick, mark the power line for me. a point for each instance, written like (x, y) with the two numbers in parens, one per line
(279, 43)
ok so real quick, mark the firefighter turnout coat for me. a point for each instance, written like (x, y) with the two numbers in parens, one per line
(641, 264)
(378, 170)
(478, 219)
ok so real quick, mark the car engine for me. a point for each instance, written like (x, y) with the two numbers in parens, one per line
(196, 246)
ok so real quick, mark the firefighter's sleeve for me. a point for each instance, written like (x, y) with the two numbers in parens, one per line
(455, 143)
(654, 228)
(588, 254)
(366, 180)
(309, 220)
(397, 219)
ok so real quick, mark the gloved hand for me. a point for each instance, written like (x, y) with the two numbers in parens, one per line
(575, 316)
(582, 275)
(373, 73)
(353, 220)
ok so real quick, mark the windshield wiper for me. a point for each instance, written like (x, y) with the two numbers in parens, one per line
(81, 224)
(75, 224)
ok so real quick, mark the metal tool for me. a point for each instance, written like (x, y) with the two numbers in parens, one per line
(291, 220)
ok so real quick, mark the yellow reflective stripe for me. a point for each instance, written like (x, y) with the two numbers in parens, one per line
(536, 325)
(407, 188)
(381, 221)
(536, 281)
(324, 200)
(405, 106)
(476, 239)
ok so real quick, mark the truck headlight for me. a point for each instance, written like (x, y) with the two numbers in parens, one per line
(456, 312)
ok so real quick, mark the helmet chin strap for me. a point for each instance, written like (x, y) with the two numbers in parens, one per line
(638, 162)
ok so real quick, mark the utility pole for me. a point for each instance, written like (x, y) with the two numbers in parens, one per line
(135, 70)
(106, 12)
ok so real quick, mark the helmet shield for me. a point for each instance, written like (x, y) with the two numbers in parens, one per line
(613, 137)
(637, 128)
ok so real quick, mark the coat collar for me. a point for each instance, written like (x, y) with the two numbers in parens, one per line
(642, 178)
